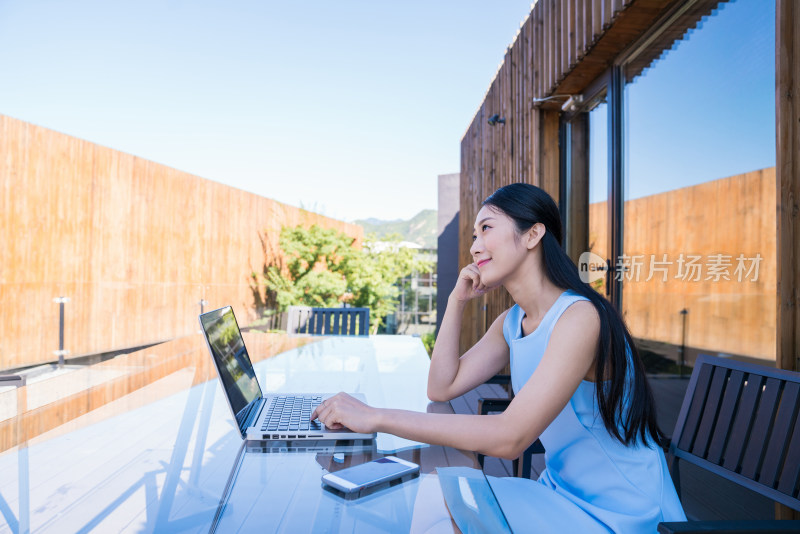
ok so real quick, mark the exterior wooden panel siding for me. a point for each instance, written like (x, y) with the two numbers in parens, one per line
(591, 39)
(561, 47)
(787, 101)
(135, 245)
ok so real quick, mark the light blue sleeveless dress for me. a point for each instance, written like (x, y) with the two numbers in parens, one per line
(592, 482)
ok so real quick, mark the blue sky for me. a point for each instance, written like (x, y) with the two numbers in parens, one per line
(705, 110)
(350, 108)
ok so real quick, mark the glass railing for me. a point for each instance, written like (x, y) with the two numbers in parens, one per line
(58, 399)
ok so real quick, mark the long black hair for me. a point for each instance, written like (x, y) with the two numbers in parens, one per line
(624, 397)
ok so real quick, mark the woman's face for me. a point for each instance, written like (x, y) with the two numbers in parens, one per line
(496, 248)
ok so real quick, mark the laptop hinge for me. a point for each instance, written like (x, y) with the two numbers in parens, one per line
(250, 413)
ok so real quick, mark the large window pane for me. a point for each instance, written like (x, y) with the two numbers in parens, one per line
(699, 253)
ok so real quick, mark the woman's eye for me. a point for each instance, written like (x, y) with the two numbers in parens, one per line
(485, 227)
(474, 237)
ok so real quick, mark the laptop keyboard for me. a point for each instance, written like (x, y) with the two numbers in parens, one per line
(291, 412)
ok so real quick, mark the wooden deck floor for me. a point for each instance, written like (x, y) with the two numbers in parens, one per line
(704, 495)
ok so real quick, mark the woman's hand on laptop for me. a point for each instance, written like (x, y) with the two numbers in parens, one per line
(342, 410)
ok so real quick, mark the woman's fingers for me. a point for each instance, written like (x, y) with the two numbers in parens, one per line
(472, 276)
(327, 413)
(477, 282)
(342, 410)
(323, 410)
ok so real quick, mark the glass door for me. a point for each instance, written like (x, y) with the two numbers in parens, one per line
(698, 258)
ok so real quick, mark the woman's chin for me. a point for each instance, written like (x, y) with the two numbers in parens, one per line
(489, 281)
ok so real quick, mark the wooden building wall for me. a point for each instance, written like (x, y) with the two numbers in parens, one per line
(787, 99)
(135, 245)
(561, 47)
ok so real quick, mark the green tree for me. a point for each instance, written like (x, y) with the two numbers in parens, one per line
(373, 280)
(323, 268)
(315, 262)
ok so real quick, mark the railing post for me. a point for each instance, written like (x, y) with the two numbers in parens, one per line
(20, 439)
(61, 352)
(684, 312)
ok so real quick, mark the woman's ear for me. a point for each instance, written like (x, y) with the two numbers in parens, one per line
(534, 235)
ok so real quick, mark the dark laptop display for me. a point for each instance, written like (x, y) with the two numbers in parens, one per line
(234, 365)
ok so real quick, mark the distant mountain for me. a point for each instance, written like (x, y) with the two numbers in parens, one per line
(420, 229)
(372, 221)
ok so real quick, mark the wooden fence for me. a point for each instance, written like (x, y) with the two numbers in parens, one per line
(742, 221)
(134, 245)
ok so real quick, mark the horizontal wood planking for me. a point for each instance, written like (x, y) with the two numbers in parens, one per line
(134, 244)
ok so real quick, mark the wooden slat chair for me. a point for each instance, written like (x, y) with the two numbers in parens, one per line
(740, 421)
(328, 321)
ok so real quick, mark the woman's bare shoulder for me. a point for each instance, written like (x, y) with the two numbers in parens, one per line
(502, 317)
(581, 318)
(581, 314)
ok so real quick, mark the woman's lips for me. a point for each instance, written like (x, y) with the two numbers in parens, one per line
(484, 262)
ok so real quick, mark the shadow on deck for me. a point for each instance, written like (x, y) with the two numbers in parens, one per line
(704, 495)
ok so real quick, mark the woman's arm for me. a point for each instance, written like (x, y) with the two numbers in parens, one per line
(469, 432)
(450, 375)
(567, 360)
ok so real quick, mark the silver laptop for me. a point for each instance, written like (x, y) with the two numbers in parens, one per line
(283, 416)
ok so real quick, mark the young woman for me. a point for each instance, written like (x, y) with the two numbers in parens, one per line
(579, 383)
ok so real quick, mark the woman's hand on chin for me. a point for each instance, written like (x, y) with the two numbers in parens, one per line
(469, 284)
(342, 410)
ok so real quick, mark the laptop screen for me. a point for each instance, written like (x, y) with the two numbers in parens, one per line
(233, 363)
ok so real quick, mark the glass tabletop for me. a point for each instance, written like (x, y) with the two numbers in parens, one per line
(179, 463)
(282, 492)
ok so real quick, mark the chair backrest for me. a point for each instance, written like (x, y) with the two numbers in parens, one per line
(740, 421)
(328, 321)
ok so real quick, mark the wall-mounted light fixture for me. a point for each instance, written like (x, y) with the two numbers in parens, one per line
(572, 102)
(494, 119)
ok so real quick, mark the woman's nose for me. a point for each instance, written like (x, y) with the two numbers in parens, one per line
(476, 247)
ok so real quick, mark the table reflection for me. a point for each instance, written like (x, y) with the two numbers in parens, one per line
(282, 492)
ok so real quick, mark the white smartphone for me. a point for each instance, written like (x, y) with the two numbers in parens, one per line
(368, 474)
